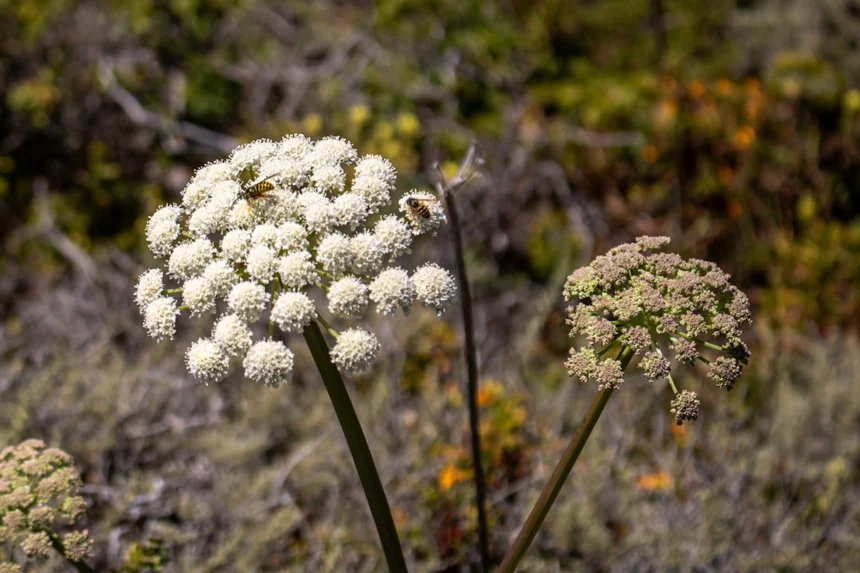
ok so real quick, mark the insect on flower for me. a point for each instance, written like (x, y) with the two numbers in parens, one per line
(419, 207)
(258, 190)
(424, 211)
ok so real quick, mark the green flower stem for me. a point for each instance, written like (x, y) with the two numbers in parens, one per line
(173, 291)
(609, 346)
(359, 449)
(672, 384)
(61, 549)
(704, 343)
(327, 326)
(553, 486)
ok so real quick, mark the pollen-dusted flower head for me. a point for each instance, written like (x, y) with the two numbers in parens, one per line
(659, 307)
(257, 233)
(40, 495)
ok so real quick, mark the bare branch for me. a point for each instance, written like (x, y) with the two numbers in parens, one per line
(142, 116)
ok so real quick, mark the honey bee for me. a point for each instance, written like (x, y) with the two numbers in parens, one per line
(257, 190)
(419, 207)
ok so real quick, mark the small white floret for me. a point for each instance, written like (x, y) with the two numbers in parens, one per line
(198, 295)
(232, 335)
(292, 237)
(366, 252)
(391, 290)
(251, 155)
(355, 350)
(334, 254)
(328, 178)
(295, 146)
(163, 229)
(159, 318)
(269, 362)
(348, 297)
(395, 236)
(350, 210)
(149, 287)
(189, 260)
(434, 286)
(236, 244)
(293, 311)
(332, 151)
(206, 361)
(296, 270)
(247, 300)
(261, 264)
(221, 277)
(317, 212)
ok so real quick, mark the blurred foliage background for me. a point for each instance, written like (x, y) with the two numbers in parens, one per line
(730, 126)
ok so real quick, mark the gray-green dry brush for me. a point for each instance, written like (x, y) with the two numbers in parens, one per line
(661, 307)
(39, 496)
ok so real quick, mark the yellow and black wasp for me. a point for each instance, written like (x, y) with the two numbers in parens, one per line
(258, 190)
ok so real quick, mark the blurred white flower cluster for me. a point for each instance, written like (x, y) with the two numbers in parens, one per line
(257, 232)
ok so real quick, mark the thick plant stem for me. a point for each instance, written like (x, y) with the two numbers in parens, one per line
(359, 449)
(472, 381)
(553, 486)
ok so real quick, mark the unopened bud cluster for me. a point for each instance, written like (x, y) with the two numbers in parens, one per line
(661, 307)
(39, 494)
(257, 232)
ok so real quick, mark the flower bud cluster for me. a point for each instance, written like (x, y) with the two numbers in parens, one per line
(661, 307)
(256, 233)
(40, 493)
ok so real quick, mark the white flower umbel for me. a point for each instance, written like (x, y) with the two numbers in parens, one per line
(392, 290)
(149, 287)
(355, 350)
(268, 362)
(266, 227)
(206, 361)
(293, 311)
(434, 286)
